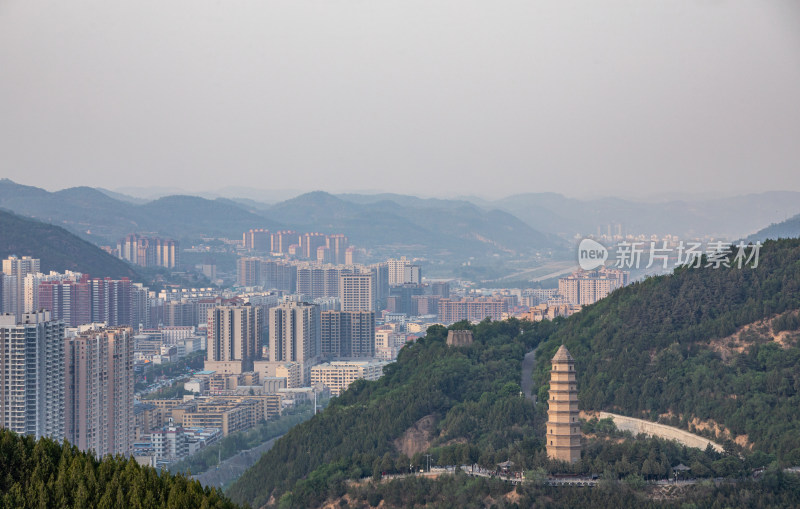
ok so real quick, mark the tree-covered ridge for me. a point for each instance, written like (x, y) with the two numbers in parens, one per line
(43, 473)
(471, 393)
(58, 249)
(646, 350)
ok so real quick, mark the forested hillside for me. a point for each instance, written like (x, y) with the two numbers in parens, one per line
(57, 248)
(463, 404)
(653, 348)
(43, 473)
(668, 347)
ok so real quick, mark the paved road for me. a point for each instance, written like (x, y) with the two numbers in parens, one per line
(233, 467)
(527, 375)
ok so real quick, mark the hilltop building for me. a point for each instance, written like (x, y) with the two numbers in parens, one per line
(459, 338)
(563, 426)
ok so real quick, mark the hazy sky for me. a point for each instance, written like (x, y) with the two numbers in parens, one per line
(429, 97)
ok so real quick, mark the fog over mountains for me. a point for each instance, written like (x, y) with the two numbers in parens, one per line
(520, 224)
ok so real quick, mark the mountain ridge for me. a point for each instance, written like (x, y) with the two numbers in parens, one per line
(58, 249)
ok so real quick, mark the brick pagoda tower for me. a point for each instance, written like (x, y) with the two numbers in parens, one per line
(563, 426)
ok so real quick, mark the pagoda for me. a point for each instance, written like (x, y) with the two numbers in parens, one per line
(563, 425)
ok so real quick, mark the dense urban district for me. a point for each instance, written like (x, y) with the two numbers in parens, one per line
(305, 370)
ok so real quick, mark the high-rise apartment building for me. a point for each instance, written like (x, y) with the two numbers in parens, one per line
(234, 333)
(32, 381)
(111, 301)
(99, 390)
(587, 287)
(294, 335)
(324, 255)
(441, 288)
(425, 305)
(283, 239)
(347, 334)
(3, 290)
(257, 240)
(248, 271)
(401, 298)
(148, 251)
(82, 300)
(350, 256)
(18, 268)
(563, 425)
(270, 274)
(337, 244)
(357, 292)
(317, 281)
(403, 272)
(309, 242)
(66, 300)
(34, 280)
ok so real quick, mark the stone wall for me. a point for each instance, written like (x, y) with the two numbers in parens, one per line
(637, 426)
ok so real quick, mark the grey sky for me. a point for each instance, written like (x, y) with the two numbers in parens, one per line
(429, 97)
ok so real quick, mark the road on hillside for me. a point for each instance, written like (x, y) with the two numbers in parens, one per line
(233, 467)
(527, 375)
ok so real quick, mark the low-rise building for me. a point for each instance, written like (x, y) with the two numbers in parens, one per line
(338, 375)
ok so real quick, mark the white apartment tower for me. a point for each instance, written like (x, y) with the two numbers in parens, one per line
(32, 381)
(357, 292)
(18, 268)
(403, 272)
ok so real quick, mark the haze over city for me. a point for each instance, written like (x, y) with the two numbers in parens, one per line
(430, 98)
(399, 254)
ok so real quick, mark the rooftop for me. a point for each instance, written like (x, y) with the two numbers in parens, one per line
(562, 355)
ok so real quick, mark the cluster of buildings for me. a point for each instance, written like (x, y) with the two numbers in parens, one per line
(72, 297)
(67, 383)
(304, 319)
(310, 246)
(148, 251)
(587, 287)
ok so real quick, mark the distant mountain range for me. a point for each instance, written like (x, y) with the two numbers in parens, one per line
(57, 249)
(429, 227)
(553, 213)
(471, 227)
(731, 217)
(104, 219)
